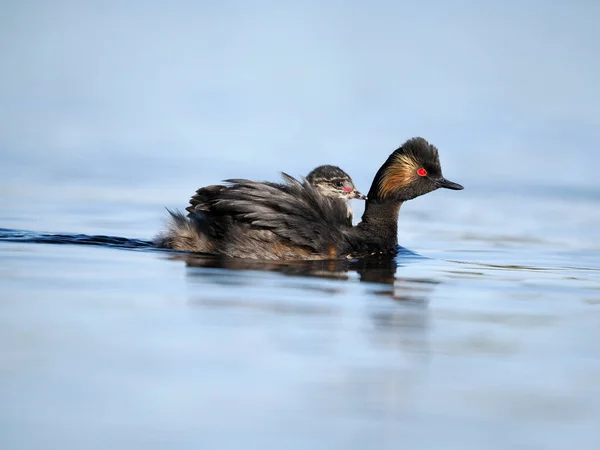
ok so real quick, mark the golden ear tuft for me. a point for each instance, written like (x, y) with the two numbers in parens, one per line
(401, 171)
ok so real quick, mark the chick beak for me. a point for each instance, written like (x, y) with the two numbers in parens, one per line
(443, 183)
(356, 194)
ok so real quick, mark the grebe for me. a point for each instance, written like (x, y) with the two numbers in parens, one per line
(261, 220)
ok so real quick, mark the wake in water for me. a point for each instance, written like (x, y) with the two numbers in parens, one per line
(35, 237)
(379, 269)
(8, 235)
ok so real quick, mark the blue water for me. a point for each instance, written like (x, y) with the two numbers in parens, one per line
(487, 336)
(483, 334)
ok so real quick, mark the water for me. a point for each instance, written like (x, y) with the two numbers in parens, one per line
(483, 335)
(486, 337)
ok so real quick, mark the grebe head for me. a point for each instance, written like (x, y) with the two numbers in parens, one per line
(412, 170)
(332, 181)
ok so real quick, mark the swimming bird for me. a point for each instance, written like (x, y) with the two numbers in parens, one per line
(260, 220)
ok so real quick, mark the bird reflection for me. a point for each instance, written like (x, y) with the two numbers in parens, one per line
(398, 325)
(380, 269)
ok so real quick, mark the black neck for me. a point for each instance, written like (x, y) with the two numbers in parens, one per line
(378, 229)
(380, 212)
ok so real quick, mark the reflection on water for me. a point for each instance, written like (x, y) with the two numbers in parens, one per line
(392, 325)
(378, 269)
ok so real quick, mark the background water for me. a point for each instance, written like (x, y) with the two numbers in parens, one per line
(488, 339)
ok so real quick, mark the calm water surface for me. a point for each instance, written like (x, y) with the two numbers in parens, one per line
(487, 337)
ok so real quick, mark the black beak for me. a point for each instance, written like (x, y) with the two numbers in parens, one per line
(358, 195)
(443, 183)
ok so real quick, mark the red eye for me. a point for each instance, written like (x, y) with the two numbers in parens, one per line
(421, 172)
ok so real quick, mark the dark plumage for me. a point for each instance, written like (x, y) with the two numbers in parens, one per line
(263, 220)
(330, 181)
